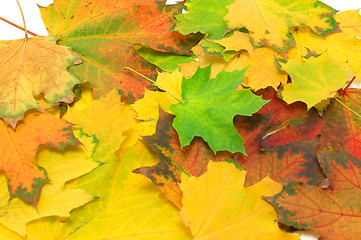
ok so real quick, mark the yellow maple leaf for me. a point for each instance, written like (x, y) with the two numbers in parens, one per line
(338, 46)
(55, 199)
(107, 118)
(32, 67)
(147, 107)
(238, 41)
(216, 205)
(269, 21)
(129, 205)
(263, 70)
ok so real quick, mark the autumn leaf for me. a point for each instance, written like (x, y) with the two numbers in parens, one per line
(333, 212)
(263, 70)
(32, 67)
(55, 199)
(338, 46)
(294, 161)
(205, 16)
(290, 122)
(225, 209)
(209, 107)
(192, 160)
(317, 79)
(19, 147)
(131, 202)
(147, 107)
(168, 62)
(107, 118)
(269, 21)
(236, 41)
(104, 33)
(342, 115)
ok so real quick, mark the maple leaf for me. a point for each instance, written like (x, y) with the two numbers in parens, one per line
(317, 79)
(269, 21)
(236, 41)
(32, 67)
(147, 107)
(294, 161)
(341, 116)
(205, 16)
(333, 212)
(166, 174)
(338, 46)
(132, 204)
(19, 147)
(107, 118)
(225, 209)
(103, 33)
(55, 199)
(263, 70)
(209, 107)
(290, 122)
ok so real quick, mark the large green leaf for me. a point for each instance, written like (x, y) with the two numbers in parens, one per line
(209, 107)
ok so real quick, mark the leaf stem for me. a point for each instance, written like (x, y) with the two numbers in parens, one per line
(22, 15)
(349, 84)
(347, 107)
(17, 26)
(155, 83)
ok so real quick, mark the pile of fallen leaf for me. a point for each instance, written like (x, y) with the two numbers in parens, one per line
(134, 120)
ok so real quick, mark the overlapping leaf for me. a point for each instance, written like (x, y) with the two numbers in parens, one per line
(294, 161)
(166, 174)
(132, 203)
(103, 33)
(19, 147)
(209, 107)
(314, 80)
(55, 199)
(333, 212)
(203, 16)
(147, 107)
(290, 122)
(269, 21)
(32, 67)
(338, 46)
(218, 206)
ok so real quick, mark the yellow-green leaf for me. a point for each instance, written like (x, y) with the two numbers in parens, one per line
(269, 21)
(314, 80)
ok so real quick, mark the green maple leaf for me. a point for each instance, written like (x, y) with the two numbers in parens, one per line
(209, 107)
(205, 16)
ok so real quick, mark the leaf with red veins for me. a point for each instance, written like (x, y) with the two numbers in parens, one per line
(18, 149)
(344, 118)
(193, 159)
(166, 174)
(290, 122)
(294, 161)
(334, 212)
(104, 32)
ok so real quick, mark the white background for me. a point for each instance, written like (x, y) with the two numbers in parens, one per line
(10, 11)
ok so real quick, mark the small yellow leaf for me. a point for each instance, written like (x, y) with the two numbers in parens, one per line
(238, 41)
(216, 205)
(147, 107)
(263, 70)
